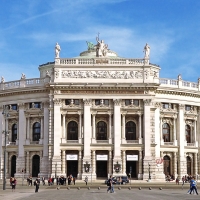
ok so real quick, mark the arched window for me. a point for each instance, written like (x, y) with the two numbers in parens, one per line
(36, 131)
(166, 132)
(166, 165)
(72, 131)
(130, 131)
(187, 133)
(101, 131)
(14, 132)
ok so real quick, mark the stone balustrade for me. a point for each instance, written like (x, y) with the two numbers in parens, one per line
(169, 143)
(23, 83)
(92, 61)
(179, 84)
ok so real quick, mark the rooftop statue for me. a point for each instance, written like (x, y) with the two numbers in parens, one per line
(90, 45)
(57, 50)
(101, 48)
(2, 79)
(146, 51)
(23, 76)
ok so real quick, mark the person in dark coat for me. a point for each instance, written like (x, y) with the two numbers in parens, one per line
(36, 183)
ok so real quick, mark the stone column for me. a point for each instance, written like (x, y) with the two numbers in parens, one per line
(110, 130)
(195, 164)
(140, 129)
(123, 162)
(63, 162)
(80, 128)
(93, 165)
(28, 128)
(64, 128)
(147, 138)
(56, 161)
(140, 175)
(41, 130)
(117, 131)
(175, 141)
(27, 163)
(110, 163)
(181, 142)
(175, 165)
(195, 132)
(161, 135)
(123, 128)
(79, 163)
(93, 128)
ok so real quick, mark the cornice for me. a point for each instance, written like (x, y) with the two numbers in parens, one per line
(11, 93)
(177, 93)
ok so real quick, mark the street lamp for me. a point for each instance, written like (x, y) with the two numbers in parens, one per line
(149, 172)
(6, 115)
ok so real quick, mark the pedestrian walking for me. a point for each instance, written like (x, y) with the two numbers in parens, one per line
(86, 180)
(13, 184)
(110, 185)
(193, 184)
(36, 184)
(74, 180)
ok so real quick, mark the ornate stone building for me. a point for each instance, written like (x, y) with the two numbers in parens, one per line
(99, 114)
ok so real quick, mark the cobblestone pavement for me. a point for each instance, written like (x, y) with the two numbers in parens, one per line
(95, 194)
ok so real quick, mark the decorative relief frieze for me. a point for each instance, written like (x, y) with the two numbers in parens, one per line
(157, 104)
(181, 106)
(34, 120)
(103, 74)
(101, 92)
(21, 105)
(189, 122)
(56, 73)
(11, 123)
(167, 121)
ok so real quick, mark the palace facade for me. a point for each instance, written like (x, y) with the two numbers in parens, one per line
(99, 114)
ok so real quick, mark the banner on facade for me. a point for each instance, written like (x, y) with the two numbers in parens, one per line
(102, 157)
(132, 157)
(71, 157)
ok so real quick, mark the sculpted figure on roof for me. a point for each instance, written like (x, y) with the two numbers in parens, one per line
(57, 50)
(146, 51)
(101, 48)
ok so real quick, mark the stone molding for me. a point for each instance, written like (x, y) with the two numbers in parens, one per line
(104, 74)
(87, 102)
(147, 102)
(168, 121)
(57, 102)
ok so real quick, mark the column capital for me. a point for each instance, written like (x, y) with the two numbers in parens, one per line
(117, 102)
(147, 102)
(181, 106)
(57, 102)
(87, 102)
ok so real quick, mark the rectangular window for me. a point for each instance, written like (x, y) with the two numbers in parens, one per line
(76, 101)
(136, 102)
(106, 102)
(14, 106)
(97, 102)
(187, 108)
(127, 102)
(67, 101)
(165, 105)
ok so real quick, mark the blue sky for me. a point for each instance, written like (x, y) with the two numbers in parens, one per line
(30, 29)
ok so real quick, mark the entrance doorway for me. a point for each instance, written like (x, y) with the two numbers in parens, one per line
(131, 166)
(35, 166)
(166, 165)
(101, 169)
(13, 166)
(72, 167)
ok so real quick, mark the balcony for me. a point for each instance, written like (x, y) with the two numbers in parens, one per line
(169, 143)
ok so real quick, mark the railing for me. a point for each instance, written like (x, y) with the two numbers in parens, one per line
(12, 143)
(178, 83)
(72, 141)
(190, 144)
(169, 143)
(102, 141)
(110, 61)
(133, 141)
(22, 83)
(34, 142)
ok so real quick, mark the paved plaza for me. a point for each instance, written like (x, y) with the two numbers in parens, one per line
(46, 193)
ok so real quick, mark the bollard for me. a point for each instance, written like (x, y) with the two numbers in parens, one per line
(119, 188)
(68, 188)
(160, 188)
(129, 188)
(58, 188)
(78, 188)
(139, 188)
(88, 188)
(150, 188)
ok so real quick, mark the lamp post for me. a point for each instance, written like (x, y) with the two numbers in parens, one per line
(56, 171)
(149, 172)
(6, 115)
